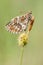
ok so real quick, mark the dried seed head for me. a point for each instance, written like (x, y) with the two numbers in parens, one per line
(23, 38)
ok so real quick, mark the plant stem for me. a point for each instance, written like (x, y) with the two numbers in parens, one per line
(21, 59)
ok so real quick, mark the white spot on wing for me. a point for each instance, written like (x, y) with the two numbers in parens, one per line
(23, 27)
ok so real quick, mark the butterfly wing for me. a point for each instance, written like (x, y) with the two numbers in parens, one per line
(13, 26)
(18, 24)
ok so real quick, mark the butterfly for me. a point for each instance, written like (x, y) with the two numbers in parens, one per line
(19, 24)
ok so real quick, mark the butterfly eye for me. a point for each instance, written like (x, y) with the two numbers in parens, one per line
(29, 18)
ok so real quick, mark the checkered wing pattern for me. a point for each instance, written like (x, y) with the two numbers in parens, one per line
(19, 23)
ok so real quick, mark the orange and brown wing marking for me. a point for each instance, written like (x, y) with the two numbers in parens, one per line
(15, 20)
(12, 27)
(22, 18)
(19, 27)
(16, 28)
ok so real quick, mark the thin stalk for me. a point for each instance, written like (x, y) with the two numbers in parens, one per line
(21, 59)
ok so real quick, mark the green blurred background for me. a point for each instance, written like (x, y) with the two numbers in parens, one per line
(9, 49)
